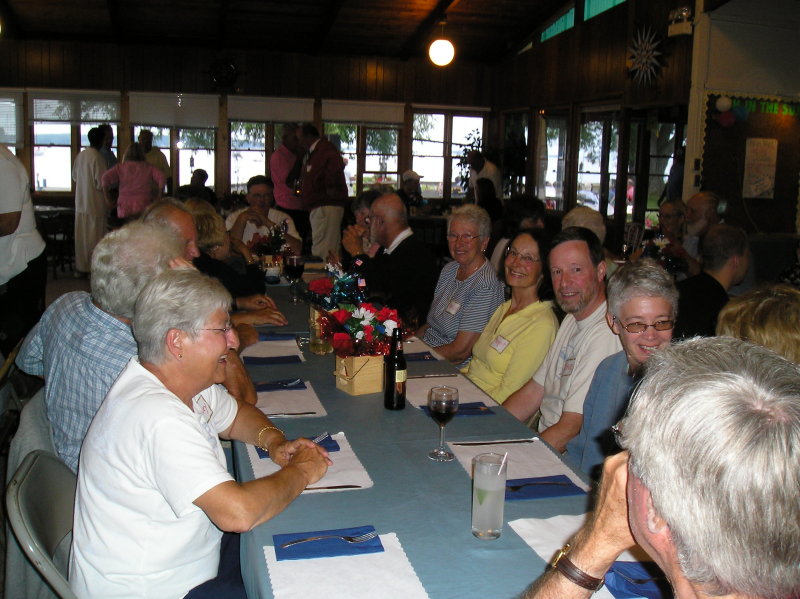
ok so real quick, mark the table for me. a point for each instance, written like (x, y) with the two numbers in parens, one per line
(427, 504)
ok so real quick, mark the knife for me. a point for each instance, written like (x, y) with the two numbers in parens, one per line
(430, 376)
(474, 443)
(278, 414)
(334, 487)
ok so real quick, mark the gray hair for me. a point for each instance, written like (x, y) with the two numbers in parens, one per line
(181, 299)
(641, 278)
(125, 260)
(713, 432)
(474, 214)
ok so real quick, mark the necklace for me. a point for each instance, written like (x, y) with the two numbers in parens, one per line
(471, 272)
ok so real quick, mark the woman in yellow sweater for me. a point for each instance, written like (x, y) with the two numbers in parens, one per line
(516, 339)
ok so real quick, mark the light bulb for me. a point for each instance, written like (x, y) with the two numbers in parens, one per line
(441, 52)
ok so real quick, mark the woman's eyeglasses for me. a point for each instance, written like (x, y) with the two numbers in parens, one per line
(640, 327)
(526, 258)
(224, 331)
(463, 237)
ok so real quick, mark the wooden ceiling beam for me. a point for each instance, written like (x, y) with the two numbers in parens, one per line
(324, 29)
(418, 38)
(115, 20)
(9, 21)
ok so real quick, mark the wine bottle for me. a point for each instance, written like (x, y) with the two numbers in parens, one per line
(394, 394)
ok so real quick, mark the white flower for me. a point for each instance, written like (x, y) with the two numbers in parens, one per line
(364, 315)
(390, 325)
(359, 334)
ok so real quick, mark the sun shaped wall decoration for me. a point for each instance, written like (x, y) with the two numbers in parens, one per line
(643, 62)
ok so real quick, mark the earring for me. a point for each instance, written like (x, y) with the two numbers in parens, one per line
(180, 356)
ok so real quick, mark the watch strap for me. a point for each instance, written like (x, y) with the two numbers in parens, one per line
(574, 574)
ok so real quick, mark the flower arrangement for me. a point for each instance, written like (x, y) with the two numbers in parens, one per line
(359, 330)
(272, 243)
(337, 288)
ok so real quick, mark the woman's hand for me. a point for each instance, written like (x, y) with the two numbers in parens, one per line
(259, 317)
(257, 301)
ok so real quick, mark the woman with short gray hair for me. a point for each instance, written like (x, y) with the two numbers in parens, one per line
(468, 290)
(154, 492)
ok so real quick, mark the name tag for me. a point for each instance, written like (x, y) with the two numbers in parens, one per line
(569, 366)
(453, 307)
(499, 344)
(308, 168)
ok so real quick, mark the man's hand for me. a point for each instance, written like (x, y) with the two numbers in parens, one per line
(247, 335)
(351, 239)
(609, 524)
(256, 217)
(256, 301)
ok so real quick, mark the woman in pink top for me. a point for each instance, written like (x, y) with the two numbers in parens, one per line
(140, 183)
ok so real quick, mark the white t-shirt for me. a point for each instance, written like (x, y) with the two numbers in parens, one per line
(275, 215)
(569, 366)
(489, 171)
(145, 459)
(24, 244)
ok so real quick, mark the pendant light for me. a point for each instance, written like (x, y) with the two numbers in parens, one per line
(441, 50)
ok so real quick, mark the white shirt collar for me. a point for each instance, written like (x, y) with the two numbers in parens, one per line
(313, 146)
(407, 232)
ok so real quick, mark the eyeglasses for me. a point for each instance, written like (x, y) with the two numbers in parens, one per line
(224, 331)
(616, 430)
(527, 259)
(640, 327)
(374, 218)
(463, 237)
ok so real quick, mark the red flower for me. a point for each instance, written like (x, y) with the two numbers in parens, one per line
(367, 306)
(386, 313)
(321, 286)
(343, 344)
(368, 332)
(341, 316)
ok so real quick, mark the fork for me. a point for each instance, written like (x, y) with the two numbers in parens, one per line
(319, 438)
(515, 488)
(350, 539)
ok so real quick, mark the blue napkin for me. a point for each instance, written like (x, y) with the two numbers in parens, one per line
(471, 408)
(325, 547)
(419, 356)
(281, 385)
(542, 491)
(265, 361)
(275, 336)
(328, 443)
(620, 580)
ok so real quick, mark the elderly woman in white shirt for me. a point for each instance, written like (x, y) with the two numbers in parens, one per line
(468, 290)
(154, 492)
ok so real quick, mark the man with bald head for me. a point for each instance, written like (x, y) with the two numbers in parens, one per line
(404, 270)
(702, 212)
(172, 213)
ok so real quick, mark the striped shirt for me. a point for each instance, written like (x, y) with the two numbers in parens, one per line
(79, 350)
(462, 305)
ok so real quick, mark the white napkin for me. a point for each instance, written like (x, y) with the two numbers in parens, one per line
(281, 403)
(346, 469)
(547, 535)
(271, 349)
(524, 460)
(414, 345)
(417, 390)
(388, 574)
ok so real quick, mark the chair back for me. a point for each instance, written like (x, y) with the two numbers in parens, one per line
(40, 500)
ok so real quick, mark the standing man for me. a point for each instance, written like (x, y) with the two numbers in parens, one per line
(480, 168)
(155, 157)
(108, 142)
(23, 266)
(708, 484)
(324, 190)
(559, 387)
(285, 166)
(90, 204)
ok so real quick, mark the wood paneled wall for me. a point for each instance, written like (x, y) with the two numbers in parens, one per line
(78, 65)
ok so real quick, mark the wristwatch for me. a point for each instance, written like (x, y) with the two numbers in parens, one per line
(574, 574)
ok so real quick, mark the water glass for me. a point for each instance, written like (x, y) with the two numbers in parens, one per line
(488, 495)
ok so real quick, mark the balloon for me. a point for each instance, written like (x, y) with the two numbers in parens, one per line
(740, 112)
(723, 104)
(726, 119)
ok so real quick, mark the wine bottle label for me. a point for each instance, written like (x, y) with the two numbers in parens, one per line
(400, 376)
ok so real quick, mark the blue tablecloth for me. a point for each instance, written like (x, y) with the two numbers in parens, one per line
(428, 504)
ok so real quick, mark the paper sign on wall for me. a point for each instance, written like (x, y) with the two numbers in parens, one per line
(761, 155)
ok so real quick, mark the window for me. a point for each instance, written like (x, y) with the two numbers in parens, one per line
(369, 152)
(161, 138)
(248, 153)
(440, 144)
(195, 150)
(592, 8)
(515, 152)
(561, 24)
(551, 155)
(60, 119)
(52, 156)
(11, 118)
(597, 163)
(84, 143)
(666, 141)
